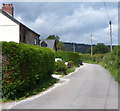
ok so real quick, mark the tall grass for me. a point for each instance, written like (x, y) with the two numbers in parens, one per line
(111, 61)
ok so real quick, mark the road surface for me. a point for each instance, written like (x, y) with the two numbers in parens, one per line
(91, 87)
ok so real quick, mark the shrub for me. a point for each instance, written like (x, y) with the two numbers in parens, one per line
(24, 66)
(70, 64)
(85, 57)
(98, 57)
(69, 56)
(60, 67)
(80, 62)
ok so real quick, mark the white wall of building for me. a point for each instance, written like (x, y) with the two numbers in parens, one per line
(9, 30)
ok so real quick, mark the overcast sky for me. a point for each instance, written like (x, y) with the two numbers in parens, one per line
(72, 22)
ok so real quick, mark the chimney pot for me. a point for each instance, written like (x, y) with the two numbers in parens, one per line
(8, 8)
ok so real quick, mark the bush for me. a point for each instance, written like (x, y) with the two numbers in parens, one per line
(60, 67)
(111, 61)
(97, 57)
(69, 56)
(24, 66)
(70, 64)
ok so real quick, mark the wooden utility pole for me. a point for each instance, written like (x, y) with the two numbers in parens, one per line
(73, 47)
(110, 36)
(91, 47)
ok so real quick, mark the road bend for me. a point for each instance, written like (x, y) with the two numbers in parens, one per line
(90, 87)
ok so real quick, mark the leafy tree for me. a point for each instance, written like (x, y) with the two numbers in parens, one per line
(100, 48)
(56, 38)
(60, 46)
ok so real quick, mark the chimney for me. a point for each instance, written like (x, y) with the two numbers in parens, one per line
(8, 8)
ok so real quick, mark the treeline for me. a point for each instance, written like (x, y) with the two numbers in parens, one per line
(80, 48)
(100, 48)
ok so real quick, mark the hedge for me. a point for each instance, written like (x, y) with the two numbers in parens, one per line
(69, 56)
(24, 66)
(60, 67)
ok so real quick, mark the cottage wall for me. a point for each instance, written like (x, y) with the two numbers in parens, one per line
(9, 30)
(27, 36)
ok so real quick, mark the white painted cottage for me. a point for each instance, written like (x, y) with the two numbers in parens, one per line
(13, 30)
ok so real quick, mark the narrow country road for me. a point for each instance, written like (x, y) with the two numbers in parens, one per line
(91, 87)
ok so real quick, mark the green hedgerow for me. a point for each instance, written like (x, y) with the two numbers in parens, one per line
(69, 56)
(24, 66)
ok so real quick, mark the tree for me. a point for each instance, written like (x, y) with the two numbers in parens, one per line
(60, 46)
(100, 48)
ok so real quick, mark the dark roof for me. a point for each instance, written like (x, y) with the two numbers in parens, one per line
(16, 21)
(50, 43)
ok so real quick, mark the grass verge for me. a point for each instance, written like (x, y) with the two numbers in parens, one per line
(72, 69)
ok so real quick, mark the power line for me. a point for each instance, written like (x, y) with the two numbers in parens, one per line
(106, 11)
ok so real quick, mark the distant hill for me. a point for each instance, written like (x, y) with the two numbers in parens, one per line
(81, 48)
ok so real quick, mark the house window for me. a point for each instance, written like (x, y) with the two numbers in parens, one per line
(43, 44)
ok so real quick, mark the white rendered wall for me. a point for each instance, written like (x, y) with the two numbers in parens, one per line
(9, 30)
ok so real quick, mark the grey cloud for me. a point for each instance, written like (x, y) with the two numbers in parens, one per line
(73, 22)
(30, 11)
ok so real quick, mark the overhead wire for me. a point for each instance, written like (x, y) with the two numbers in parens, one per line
(107, 12)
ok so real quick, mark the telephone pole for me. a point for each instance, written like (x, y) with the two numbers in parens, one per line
(91, 47)
(110, 23)
(73, 47)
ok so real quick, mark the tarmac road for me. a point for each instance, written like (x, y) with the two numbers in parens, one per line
(91, 87)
